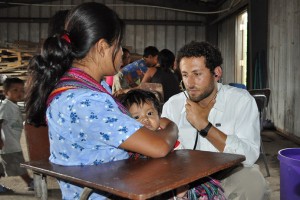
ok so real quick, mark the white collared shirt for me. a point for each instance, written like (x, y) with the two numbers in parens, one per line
(235, 113)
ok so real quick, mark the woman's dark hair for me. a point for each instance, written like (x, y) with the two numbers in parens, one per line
(85, 25)
(139, 97)
(56, 23)
(166, 60)
(212, 54)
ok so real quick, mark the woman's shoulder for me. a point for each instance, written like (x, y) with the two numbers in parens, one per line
(80, 95)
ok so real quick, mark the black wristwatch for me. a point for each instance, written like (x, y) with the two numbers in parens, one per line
(204, 131)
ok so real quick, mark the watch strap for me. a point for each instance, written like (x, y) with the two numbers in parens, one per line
(204, 131)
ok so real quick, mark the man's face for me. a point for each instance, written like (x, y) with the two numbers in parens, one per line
(197, 78)
(151, 61)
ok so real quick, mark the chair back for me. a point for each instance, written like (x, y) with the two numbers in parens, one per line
(261, 97)
(238, 85)
(37, 142)
(265, 92)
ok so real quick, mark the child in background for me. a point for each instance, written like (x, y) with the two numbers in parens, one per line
(11, 126)
(145, 108)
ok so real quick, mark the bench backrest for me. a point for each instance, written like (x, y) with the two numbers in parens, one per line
(37, 142)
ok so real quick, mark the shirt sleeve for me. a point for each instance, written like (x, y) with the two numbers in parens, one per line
(2, 111)
(245, 139)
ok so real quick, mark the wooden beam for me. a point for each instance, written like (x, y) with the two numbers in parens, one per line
(126, 21)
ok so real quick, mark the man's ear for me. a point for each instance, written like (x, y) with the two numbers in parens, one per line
(218, 72)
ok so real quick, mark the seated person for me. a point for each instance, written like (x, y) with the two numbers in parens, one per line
(126, 59)
(163, 74)
(131, 75)
(145, 108)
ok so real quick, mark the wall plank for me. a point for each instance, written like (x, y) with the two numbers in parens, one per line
(138, 36)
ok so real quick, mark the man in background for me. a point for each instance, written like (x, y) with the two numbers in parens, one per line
(132, 74)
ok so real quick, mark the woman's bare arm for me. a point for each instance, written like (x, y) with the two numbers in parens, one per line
(154, 144)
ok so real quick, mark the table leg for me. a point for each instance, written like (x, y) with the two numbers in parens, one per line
(44, 188)
(37, 180)
(86, 193)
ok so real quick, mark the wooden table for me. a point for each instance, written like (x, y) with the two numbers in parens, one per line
(144, 178)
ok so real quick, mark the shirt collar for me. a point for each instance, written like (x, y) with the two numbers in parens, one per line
(220, 101)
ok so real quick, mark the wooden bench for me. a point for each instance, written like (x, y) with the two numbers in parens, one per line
(138, 179)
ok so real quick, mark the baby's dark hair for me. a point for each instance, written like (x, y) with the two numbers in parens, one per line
(10, 81)
(139, 97)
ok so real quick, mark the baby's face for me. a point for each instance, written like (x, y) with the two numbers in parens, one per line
(145, 114)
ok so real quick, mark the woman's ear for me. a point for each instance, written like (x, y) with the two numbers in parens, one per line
(101, 45)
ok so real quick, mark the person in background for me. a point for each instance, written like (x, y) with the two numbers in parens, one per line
(125, 61)
(126, 58)
(132, 74)
(145, 108)
(218, 118)
(87, 125)
(11, 126)
(163, 74)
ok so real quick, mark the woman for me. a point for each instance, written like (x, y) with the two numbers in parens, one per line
(163, 74)
(87, 126)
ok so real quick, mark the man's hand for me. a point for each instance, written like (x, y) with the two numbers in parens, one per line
(197, 115)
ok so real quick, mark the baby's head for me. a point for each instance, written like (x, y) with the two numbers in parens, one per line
(13, 89)
(143, 106)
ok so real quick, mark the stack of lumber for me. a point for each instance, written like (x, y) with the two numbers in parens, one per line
(13, 62)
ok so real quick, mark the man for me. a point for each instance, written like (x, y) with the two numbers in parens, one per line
(218, 118)
(132, 74)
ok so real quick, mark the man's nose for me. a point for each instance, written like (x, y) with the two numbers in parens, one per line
(189, 82)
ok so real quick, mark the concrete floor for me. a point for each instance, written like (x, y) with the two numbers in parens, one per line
(273, 142)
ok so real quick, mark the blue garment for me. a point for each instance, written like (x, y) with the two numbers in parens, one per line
(85, 128)
(134, 71)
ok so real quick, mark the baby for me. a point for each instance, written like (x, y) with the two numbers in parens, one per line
(145, 108)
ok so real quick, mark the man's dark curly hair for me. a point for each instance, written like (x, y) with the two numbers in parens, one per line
(211, 53)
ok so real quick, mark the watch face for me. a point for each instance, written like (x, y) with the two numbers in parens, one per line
(203, 133)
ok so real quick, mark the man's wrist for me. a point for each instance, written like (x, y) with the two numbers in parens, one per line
(204, 132)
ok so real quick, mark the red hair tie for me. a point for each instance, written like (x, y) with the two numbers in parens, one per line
(66, 37)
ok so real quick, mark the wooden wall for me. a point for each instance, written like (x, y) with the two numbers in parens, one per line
(226, 44)
(138, 35)
(283, 65)
(283, 60)
(283, 45)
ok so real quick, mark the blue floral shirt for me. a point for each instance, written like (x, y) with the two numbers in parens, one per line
(85, 128)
